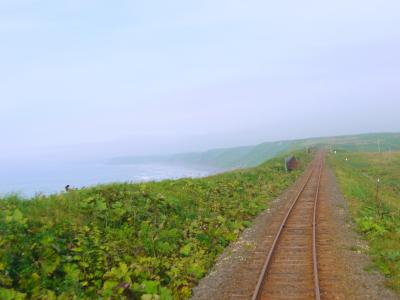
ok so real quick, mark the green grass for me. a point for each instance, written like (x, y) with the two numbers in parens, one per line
(130, 240)
(377, 218)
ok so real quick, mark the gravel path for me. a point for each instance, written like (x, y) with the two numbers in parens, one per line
(342, 274)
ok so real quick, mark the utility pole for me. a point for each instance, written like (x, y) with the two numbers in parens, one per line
(377, 198)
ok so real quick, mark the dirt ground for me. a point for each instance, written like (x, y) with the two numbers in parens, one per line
(341, 269)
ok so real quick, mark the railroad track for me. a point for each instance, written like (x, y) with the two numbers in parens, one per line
(290, 270)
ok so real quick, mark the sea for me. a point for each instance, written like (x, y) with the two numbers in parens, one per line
(30, 179)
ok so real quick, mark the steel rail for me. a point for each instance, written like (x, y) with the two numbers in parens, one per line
(263, 275)
(315, 259)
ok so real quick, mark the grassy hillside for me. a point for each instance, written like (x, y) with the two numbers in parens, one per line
(250, 156)
(130, 240)
(234, 157)
(375, 142)
(378, 218)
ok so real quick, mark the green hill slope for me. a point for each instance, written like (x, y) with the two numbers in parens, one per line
(248, 156)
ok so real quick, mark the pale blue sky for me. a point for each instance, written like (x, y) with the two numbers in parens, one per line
(130, 77)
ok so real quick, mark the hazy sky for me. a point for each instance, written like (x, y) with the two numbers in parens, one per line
(137, 77)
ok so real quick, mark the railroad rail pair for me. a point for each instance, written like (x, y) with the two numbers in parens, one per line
(291, 267)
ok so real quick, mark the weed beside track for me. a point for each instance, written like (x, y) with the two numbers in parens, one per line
(374, 204)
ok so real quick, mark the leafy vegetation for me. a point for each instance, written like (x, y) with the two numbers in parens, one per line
(374, 205)
(137, 241)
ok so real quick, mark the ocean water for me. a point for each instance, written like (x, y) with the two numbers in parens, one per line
(30, 179)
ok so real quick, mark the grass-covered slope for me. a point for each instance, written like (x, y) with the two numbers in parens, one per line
(130, 240)
(234, 157)
(377, 215)
(249, 156)
(225, 159)
(374, 142)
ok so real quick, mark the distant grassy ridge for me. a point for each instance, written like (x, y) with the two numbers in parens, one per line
(152, 240)
(248, 156)
(377, 218)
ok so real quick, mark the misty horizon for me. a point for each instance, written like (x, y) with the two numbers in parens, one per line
(95, 80)
(102, 152)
